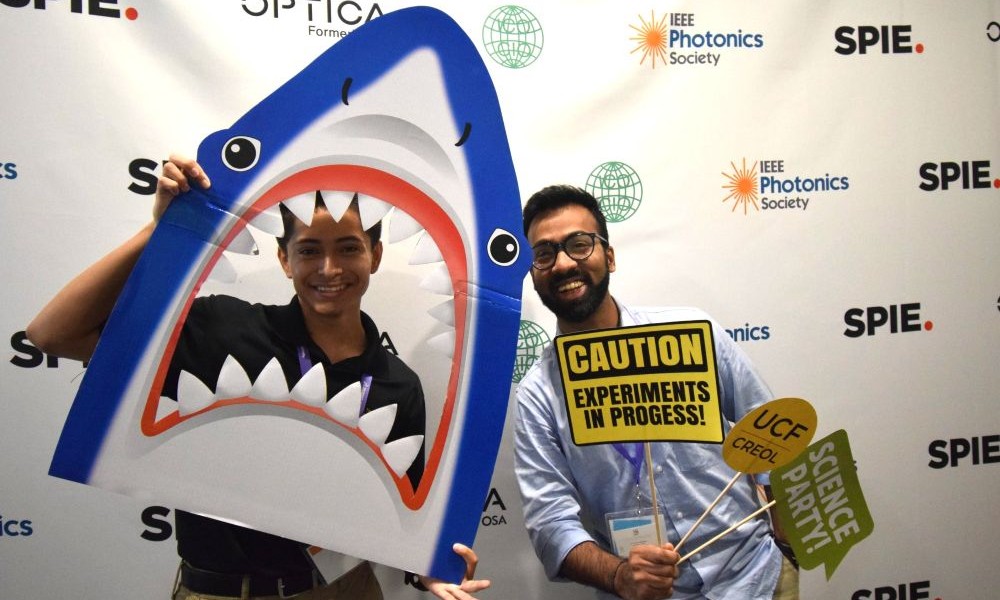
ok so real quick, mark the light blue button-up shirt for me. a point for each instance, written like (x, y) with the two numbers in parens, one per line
(568, 491)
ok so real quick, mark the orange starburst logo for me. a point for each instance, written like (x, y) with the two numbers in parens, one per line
(742, 186)
(651, 39)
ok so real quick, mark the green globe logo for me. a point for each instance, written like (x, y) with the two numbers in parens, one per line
(618, 188)
(512, 36)
(531, 340)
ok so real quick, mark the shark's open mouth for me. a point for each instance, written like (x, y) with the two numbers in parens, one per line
(402, 112)
(406, 212)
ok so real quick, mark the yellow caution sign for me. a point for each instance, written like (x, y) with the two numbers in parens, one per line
(643, 383)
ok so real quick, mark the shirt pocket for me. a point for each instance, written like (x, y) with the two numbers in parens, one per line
(687, 456)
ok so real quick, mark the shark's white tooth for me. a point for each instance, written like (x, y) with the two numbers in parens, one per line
(444, 343)
(270, 385)
(371, 210)
(243, 243)
(233, 380)
(192, 394)
(223, 271)
(400, 454)
(269, 221)
(164, 408)
(444, 312)
(311, 389)
(402, 226)
(345, 406)
(438, 281)
(426, 251)
(337, 202)
(302, 206)
(377, 424)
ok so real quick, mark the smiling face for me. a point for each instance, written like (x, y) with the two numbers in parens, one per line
(403, 114)
(330, 263)
(576, 291)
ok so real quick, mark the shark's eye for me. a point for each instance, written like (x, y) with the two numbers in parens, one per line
(241, 153)
(502, 248)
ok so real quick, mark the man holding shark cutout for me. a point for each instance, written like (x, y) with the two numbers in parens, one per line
(329, 256)
(587, 507)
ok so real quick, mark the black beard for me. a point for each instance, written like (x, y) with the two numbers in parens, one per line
(577, 311)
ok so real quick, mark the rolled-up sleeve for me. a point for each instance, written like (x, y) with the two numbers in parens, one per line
(548, 492)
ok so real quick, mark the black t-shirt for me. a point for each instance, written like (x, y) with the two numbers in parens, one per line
(219, 326)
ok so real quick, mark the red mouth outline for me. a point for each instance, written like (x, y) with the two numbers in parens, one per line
(386, 187)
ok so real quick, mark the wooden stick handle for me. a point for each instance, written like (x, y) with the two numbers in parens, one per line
(726, 532)
(708, 510)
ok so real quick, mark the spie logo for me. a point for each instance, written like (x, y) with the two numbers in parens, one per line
(965, 175)
(899, 318)
(876, 39)
(93, 8)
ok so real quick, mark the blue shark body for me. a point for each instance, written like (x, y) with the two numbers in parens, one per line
(401, 112)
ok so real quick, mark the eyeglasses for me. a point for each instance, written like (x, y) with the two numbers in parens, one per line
(578, 246)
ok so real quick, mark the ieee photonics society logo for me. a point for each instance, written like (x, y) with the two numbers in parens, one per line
(512, 37)
(681, 39)
(774, 188)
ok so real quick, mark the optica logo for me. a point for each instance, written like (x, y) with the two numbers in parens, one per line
(325, 18)
(773, 189)
(93, 8)
(493, 504)
(688, 44)
(877, 39)
(965, 175)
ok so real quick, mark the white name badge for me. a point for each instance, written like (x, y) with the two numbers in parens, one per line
(634, 528)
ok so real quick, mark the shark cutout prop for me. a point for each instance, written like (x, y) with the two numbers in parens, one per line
(403, 113)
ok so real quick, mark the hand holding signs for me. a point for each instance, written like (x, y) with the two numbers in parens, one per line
(766, 438)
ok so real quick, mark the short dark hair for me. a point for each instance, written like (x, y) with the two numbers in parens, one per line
(288, 219)
(554, 197)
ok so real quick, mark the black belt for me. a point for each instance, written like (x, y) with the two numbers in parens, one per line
(231, 584)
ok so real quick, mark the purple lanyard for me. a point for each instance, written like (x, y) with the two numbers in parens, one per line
(633, 454)
(305, 363)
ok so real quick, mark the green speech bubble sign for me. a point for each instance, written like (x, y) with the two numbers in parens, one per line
(819, 502)
(770, 436)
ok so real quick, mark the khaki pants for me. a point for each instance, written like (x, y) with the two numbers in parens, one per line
(357, 584)
(788, 582)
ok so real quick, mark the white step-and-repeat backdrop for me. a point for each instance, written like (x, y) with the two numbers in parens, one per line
(821, 177)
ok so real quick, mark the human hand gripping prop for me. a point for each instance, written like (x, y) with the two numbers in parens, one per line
(633, 385)
(403, 114)
(817, 494)
(768, 437)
